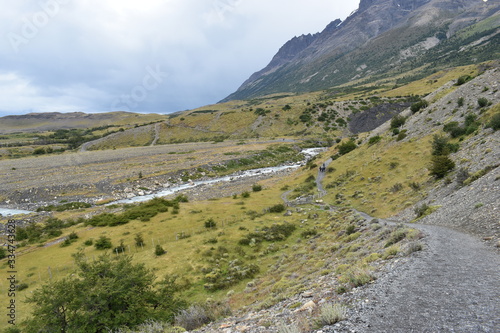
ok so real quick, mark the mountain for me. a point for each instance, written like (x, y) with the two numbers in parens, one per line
(383, 38)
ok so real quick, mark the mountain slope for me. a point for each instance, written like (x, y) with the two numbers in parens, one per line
(383, 38)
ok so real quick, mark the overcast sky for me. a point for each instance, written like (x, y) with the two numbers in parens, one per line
(143, 56)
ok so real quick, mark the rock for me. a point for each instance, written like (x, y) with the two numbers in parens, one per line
(309, 307)
(307, 294)
(288, 213)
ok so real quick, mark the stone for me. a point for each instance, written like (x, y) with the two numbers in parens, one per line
(309, 307)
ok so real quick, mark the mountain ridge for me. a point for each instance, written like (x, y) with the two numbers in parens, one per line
(375, 33)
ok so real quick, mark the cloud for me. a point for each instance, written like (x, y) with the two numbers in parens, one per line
(67, 55)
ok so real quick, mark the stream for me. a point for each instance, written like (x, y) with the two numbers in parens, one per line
(308, 153)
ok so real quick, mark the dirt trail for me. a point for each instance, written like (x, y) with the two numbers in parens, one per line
(453, 285)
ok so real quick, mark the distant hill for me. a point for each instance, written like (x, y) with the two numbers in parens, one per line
(38, 122)
(405, 39)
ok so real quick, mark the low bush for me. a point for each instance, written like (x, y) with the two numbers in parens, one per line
(494, 122)
(422, 104)
(374, 139)
(103, 243)
(330, 314)
(159, 251)
(421, 210)
(210, 224)
(347, 147)
(482, 102)
(256, 188)
(276, 232)
(279, 208)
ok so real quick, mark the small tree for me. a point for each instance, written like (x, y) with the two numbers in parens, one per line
(159, 251)
(441, 165)
(106, 294)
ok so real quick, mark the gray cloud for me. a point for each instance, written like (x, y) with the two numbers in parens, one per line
(85, 55)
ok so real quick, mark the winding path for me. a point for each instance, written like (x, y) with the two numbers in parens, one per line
(453, 285)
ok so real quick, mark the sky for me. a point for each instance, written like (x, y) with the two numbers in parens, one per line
(157, 56)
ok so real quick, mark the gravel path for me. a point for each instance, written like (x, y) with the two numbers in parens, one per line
(451, 286)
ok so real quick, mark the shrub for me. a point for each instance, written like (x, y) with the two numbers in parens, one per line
(401, 135)
(441, 165)
(139, 240)
(279, 208)
(494, 123)
(159, 251)
(350, 229)
(397, 121)
(396, 236)
(308, 233)
(245, 194)
(463, 79)
(88, 242)
(374, 139)
(198, 315)
(120, 248)
(331, 314)
(415, 186)
(462, 175)
(103, 243)
(210, 223)
(396, 188)
(22, 286)
(347, 147)
(256, 187)
(3, 252)
(422, 104)
(422, 210)
(460, 102)
(482, 102)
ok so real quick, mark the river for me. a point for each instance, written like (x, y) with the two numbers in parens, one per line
(308, 153)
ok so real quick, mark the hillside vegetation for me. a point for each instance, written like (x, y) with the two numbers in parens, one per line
(247, 252)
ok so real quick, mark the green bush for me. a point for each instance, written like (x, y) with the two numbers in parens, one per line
(397, 121)
(256, 187)
(279, 208)
(441, 165)
(210, 223)
(482, 102)
(22, 286)
(422, 104)
(494, 122)
(422, 210)
(276, 232)
(374, 139)
(347, 147)
(103, 243)
(159, 251)
(3, 252)
(463, 79)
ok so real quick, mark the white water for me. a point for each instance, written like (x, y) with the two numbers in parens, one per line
(11, 212)
(309, 153)
(175, 189)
